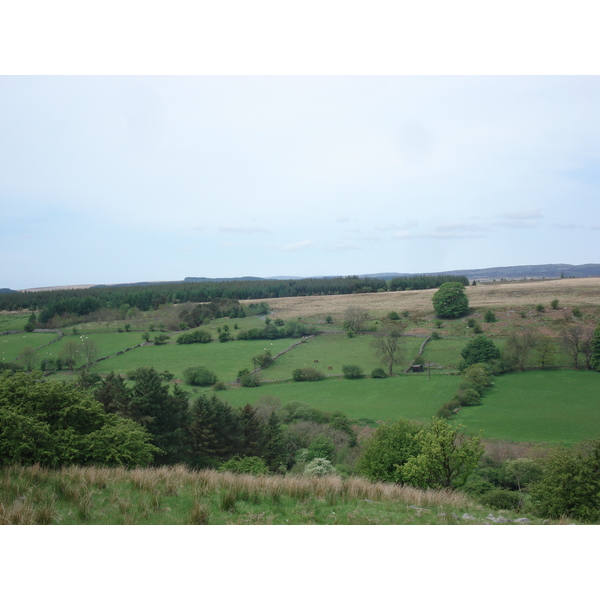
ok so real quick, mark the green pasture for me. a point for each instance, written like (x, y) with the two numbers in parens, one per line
(12, 322)
(539, 406)
(407, 396)
(225, 359)
(12, 345)
(334, 351)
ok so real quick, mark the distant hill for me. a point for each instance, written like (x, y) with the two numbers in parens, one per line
(550, 271)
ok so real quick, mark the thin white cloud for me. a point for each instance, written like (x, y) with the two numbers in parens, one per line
(462, 226)
(342, 219)
(343, 245)
(242, 229)
(298, 246)
(517, 224)
(524, 214)
(568, 226)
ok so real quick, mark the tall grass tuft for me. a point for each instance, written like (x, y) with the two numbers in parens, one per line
(200, 514)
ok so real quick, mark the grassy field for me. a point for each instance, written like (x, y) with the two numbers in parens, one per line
(406, 396)
(179, 496)
(539, 406)
(11, 346)
(225, 359)
(335, 351)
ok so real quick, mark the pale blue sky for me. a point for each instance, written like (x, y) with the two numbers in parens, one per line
(121, 179)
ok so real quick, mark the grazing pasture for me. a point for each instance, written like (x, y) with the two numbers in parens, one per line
(406, 396)
(539, 406)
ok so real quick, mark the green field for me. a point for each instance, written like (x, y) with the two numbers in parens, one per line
(225, 359)
(12, 345)
(335, 351)
(539, 406)
(407, 396)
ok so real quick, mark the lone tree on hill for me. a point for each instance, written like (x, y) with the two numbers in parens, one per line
(450, 301)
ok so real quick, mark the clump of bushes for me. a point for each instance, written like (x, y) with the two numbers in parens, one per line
(248, 379)
(490, 316)
(378, 373)
(352, 372)
(251, 465)
(195, 337)
(502, 499)
(307, 374)
(199, 376)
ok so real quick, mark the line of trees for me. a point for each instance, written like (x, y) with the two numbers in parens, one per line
(145, 297)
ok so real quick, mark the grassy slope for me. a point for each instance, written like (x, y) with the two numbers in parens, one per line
(539, 406)
(178, 496)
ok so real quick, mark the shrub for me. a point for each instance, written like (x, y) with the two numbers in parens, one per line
(467, 397)
(470, 323)
(393, 316)
(577, 313)
(319, 467)
(378, 373)
(252, 465)
(540, 308)
(554, 304)
(490, 316)
(480, 350)
(352, 372)
(435, 335)
(199, 376)
(248, 379)
(438, 323)
(161, 339)
(501, 499)
(321, 447)
(307, 374)
(224, 336)
(195, 337)
(449, 409)
(219, 386)
(569, 484)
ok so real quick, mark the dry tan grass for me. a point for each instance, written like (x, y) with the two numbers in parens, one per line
(584, 291)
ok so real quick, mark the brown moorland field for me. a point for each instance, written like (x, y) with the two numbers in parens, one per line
(569, 292)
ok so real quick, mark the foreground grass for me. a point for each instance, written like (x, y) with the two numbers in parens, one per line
(179, 496)
(539, 406)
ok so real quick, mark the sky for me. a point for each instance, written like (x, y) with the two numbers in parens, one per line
(126, 178)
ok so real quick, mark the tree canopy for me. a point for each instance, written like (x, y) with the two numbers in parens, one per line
(55, 424)
(480, 350)
(450, 301)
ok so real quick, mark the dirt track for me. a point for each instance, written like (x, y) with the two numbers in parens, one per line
(569, 292)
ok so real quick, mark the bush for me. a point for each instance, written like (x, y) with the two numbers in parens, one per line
(378, 373)
(307, 374)
(470, 323)
(352, 372)
(393, 316)
(477, 328)
(219, 386)
(195, 337)
(502, 499)
(251, 465)
(480, 350)
(199, 376)
(449, 409)
(467, 397)
(321, 447)
(161, 339)
(435, 335)
(248, 379)
(490, 316)
(554, 304)
(540, 308)
(319, 467)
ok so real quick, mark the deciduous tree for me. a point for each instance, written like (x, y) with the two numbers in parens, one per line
(450, 301)
(388, 346)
